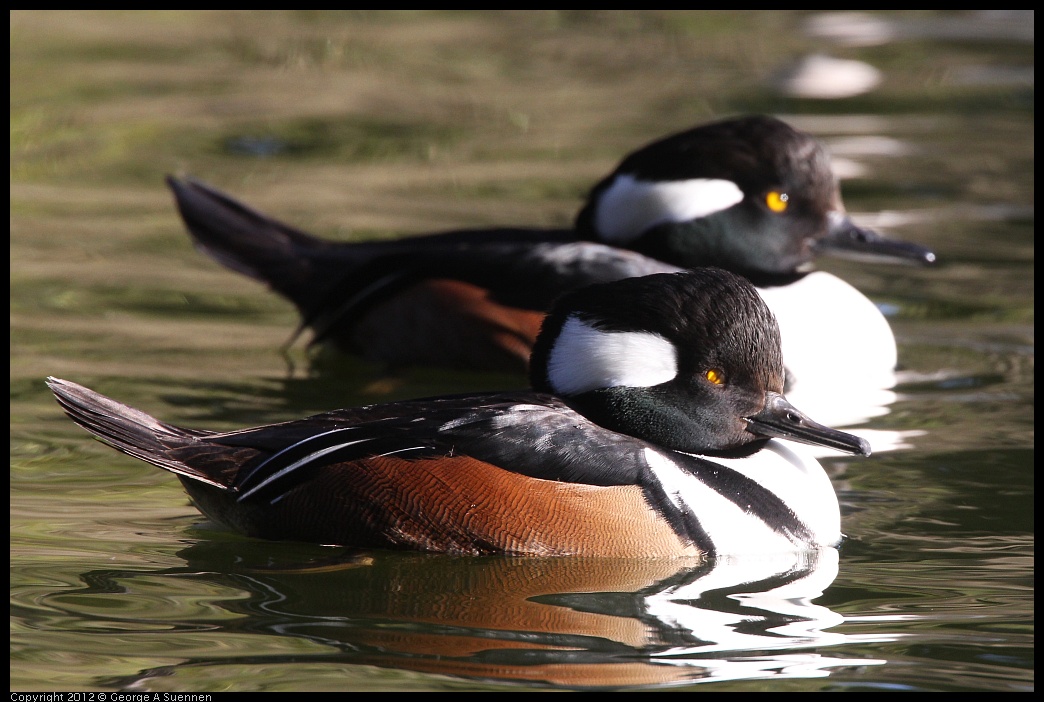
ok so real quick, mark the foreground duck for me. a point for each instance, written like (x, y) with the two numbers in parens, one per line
(751, 195)
(653, 430)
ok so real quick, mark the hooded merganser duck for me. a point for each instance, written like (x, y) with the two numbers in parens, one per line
(652, 430)
(751, 195)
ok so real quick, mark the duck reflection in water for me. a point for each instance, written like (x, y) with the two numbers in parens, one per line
(559, 622)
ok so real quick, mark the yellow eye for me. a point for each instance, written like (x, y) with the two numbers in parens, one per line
(715, 376)
(777, 202)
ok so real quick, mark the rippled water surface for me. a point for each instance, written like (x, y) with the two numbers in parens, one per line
(362, 125)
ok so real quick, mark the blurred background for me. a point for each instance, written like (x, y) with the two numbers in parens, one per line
(365, 124)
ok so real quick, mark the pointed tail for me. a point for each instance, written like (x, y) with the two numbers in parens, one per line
(135, 433)
(294, 264)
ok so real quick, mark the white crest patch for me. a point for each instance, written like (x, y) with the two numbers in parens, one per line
(630, 206)
(584, 358)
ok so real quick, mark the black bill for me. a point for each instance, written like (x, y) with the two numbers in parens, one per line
(781, 420)
(848, 240)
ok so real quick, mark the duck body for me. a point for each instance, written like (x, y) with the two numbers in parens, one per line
(465, 476)
(655, 429)
(750, 195)
(472, 299)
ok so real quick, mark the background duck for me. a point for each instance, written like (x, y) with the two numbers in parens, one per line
(652, 430)
(751, 195)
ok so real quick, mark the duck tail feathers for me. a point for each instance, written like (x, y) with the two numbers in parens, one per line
(132, 431)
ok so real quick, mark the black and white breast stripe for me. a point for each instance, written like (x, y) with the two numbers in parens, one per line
(717, 508)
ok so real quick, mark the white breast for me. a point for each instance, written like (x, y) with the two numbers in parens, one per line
(838, 348)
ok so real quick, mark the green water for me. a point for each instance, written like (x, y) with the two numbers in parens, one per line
(379, 124)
